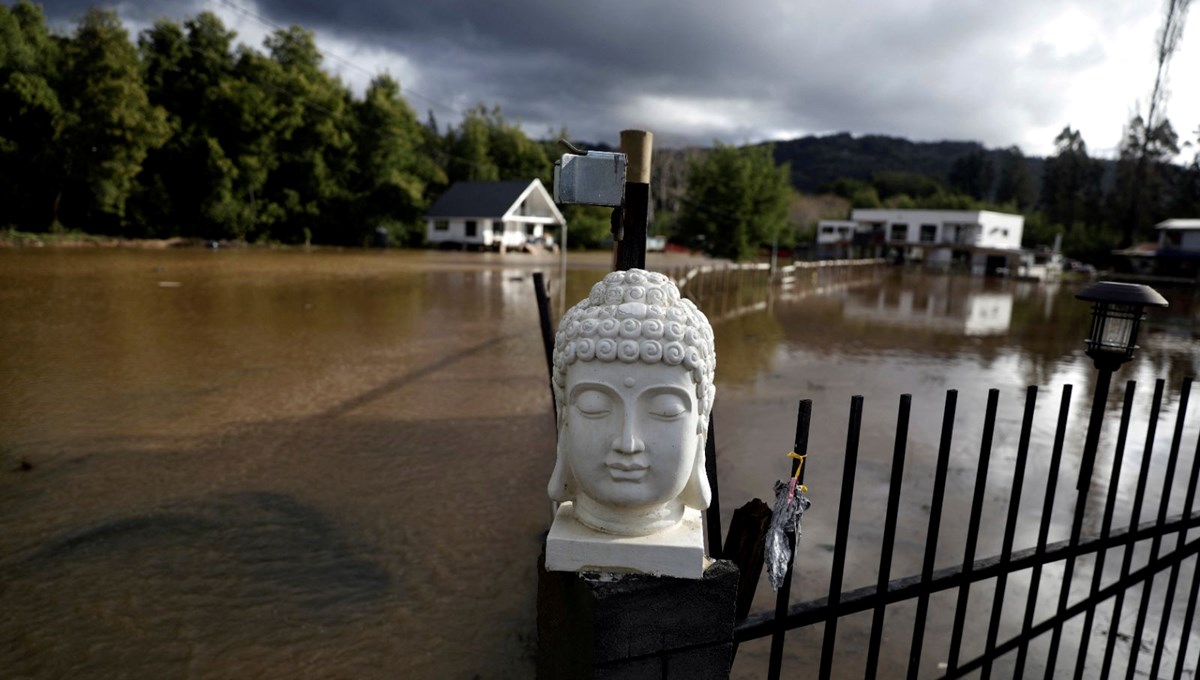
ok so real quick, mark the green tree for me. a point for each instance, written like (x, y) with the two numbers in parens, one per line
(1141, 155)
(1186, 195)
(392, 172)
(1071, 182)
(487, 146)
(186, 187)
(914, 185)
(307, 192)
(972, 174)
(588, 226)
(514, 154)
(109, 123)
(31, 117)
(1015, 184)
(468, 149)
(736, 200)
(249, 118)
(1141, 195)
(865, 197)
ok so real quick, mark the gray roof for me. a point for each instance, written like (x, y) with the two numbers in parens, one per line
(477, 199)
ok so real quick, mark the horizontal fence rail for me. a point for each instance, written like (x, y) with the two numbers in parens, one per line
(1139, 585)
(729, 290)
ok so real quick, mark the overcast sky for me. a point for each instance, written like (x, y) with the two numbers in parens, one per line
(693, 71)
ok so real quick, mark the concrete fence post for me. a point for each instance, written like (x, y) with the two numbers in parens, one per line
(635, 627)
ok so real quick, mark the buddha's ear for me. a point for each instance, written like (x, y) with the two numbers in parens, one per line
(697, 493)
(562, 482)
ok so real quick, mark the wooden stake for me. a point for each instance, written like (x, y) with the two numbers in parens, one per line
(630, 250)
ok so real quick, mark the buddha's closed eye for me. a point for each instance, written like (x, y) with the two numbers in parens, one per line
(668, 406)
(593, 403)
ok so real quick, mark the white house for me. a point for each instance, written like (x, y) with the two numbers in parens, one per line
(1179, 236)
(498, 215)
(834, 238)
(1177, 252)
(984, 240)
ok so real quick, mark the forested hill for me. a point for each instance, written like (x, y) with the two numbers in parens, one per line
(817, 161)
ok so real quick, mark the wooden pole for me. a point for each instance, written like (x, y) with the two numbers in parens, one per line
(629, 250)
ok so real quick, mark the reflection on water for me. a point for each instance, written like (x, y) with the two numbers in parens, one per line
(334, 463)
(934, 307)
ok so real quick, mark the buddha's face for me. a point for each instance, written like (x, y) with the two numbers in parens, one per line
(631, 434)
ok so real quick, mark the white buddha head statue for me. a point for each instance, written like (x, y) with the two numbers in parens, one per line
(633, 382)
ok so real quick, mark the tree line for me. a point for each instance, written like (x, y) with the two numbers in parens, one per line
(181, 132)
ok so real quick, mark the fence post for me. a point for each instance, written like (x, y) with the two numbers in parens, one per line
(631, 626)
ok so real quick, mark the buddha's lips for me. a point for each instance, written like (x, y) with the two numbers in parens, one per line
(625, 472)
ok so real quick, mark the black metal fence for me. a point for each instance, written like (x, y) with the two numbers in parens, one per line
(1162, 651)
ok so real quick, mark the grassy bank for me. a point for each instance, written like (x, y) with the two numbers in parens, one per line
(12, 238)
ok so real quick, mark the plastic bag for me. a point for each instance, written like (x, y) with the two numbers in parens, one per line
(790, 506)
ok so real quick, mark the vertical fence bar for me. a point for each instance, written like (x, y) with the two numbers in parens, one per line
(1173, 579)
(1197, 661)
(889, 531)
(843, 533)
(1035, 579)
(1110, 503)
(1135, 518)
(931, 535)
(980, 491)
(1190, 613)
(543, 305)
(1156, 541)
(712, 516)
(1082, 486)
(1010, 528)
(783, 597)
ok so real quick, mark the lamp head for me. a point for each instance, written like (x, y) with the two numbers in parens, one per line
(1117, 313)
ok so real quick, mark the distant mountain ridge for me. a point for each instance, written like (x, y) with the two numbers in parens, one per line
(818, 160)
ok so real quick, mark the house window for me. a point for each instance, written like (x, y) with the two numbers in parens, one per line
(498, 228)
(899, 232)
(471, 228)
(826, 230)
(529, 228)
(441, 225)
(928, 233)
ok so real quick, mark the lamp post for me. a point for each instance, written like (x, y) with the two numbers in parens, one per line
(1117, 313)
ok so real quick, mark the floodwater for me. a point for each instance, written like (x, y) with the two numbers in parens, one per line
(319, 464)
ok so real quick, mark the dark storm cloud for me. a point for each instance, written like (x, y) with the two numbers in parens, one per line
(698, 70)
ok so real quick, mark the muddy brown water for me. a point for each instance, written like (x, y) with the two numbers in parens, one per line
(333, 464)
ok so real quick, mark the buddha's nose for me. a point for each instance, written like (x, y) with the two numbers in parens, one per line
(628, 441)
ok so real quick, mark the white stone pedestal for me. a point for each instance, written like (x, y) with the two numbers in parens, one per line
(678, 552)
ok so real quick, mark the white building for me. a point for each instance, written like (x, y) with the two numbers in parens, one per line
(1177, 252)
(835, 238)
(983, 240)
(498, 215)
(1179, 236)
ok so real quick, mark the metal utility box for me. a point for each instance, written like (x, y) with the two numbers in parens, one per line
(597, 178)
